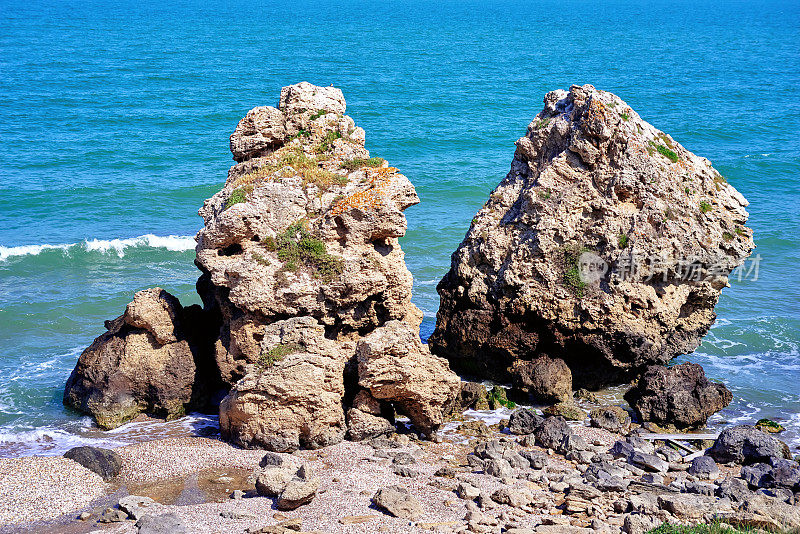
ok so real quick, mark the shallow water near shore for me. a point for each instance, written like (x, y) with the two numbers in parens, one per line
(115, 117)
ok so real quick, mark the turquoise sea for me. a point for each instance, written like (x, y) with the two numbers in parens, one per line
(115, 117)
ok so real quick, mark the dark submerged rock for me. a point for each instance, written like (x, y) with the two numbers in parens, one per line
(524, 421)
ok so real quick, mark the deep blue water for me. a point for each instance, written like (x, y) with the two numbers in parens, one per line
(114, 119)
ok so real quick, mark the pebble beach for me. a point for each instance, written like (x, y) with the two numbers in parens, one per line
(208, 484)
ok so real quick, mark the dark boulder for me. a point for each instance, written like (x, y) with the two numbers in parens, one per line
(757, 475)
(648, 462)
(786, 473)
(734, 489)
(104, 462)
(553, 433)
(621, 449)
(781, 473)
(704, 467)
(156, 358)
(745, 444)
(524, 421)
(681, 396)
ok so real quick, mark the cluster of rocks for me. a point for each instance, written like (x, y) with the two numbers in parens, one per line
(635, 485)
(307, 327)
(144, 512)
(280, 477)
(597, 259)
(542, 475)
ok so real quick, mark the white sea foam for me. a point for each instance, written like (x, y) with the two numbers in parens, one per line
(119, 246)
(46, 441)
(29, 250)
(18, 440)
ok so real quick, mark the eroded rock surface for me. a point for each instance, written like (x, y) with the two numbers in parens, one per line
(606, 245)
(300, 256)
(153, 359)
(293, 396)
(680, 396)
(394, 365)
(306, 225)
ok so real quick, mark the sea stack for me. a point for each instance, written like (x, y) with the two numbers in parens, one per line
(606, 246)
(307, 323)
(301, 257)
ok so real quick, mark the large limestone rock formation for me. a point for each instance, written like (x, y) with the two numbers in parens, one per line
(150, 360)
(606, 245)
(300, 255)
(306, 225)
(300, 265)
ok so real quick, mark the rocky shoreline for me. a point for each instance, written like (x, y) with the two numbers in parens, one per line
(597, 260)
(526, 474)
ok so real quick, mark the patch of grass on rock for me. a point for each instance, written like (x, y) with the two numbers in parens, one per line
(569, 262)
(310, 171)
(358, 163)
(277, 353)
(541, 123)
(297, 248)
(238, 195)
(716, 527)
(667, 153)
(327, 141)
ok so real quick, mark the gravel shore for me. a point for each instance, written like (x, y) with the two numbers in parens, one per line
(43, 487)
(208, 486)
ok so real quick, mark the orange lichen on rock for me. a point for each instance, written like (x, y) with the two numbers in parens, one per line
(370, 198)
(597, 110)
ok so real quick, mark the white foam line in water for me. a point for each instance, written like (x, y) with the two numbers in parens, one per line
(47, 441)
(19, 440)
(171, 242)
(193, 420)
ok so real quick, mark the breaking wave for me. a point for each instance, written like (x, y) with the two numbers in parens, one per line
(119, 246)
